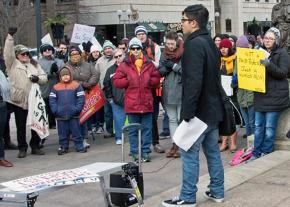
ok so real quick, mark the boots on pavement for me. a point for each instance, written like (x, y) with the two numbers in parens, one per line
(233, 145)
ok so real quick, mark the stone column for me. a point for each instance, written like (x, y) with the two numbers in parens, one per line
(282, 142)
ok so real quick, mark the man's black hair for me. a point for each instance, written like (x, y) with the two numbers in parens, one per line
(171, 35)
(197, 12)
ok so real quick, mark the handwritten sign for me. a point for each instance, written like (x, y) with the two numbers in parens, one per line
(47, 39)
(251, 74)
(52, 179)
(94, 101)
(82, 33)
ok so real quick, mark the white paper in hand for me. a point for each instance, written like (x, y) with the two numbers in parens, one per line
(187, 133)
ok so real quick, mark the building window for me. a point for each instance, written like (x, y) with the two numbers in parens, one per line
(277, 1)
(247, 0)
(228, 25)
(64, 1)
(257, 0)
(266, 0)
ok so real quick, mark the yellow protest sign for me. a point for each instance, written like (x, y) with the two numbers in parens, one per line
(251, 74)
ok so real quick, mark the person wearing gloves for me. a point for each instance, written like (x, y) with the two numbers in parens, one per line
(102, 66)
(269, 105)
(50, 65)
(66, 100)
(22, 71)
(138, 76)
(85, 74)
(170, 69)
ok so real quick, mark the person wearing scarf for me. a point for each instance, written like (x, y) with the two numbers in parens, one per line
(228, 59)
(138, 76)
(170, 69)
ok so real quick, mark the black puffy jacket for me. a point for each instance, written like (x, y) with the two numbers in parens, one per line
(276, 97)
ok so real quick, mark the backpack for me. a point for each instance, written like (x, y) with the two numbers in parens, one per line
(241, 156)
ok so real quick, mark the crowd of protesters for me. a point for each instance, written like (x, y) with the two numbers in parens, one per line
(136, 79)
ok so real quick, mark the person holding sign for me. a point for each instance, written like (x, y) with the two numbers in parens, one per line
(268, 105)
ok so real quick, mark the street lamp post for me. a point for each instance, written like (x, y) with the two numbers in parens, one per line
(124, 16)
(38, 24)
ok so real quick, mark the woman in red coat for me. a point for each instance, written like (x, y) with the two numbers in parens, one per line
(138, 75)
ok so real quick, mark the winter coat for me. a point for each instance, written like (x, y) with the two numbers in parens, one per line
(200, 79)
(172, 84)
(83, 72)
(276, 97)
(66, 100)
(102, 65)
(138, 94)
(19, 74)
(52, 78)
(111, 92)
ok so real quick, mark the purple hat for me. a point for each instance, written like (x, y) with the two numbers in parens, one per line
(242, 42)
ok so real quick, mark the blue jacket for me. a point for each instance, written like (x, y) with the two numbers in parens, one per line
(66, 100)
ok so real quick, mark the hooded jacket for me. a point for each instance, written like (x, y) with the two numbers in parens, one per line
(138, 93)
(66, 100)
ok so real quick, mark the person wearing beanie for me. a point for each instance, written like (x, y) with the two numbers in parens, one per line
(70, 94)
(233, 40)
(227, 57)
(51, 66)
(228, 61)
(245, 97)
(102, 65)
(153, 51)
(95, 54)
(22, 72)
(138, 76)
(268, 105)
(86, 75)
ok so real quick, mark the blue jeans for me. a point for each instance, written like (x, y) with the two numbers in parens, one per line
(146, 121)
(119, 117)
(248, 114)
(3, 114)
(190, 165)
(173, 112)
(69, 127)
(265, 132)
(165, 124)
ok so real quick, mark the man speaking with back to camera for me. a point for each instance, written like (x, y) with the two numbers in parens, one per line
(200, 98)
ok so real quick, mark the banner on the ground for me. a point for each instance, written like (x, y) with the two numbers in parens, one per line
(251, 73)
(52, 179)
(82, 33)
(94, 101)
(37, 117)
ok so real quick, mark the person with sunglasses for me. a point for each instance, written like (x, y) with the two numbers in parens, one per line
(51, 66)
(115, 96)
(22, 71)
(138, 76)
(153, 51)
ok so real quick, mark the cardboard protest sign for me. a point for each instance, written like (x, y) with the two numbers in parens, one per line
(251, 74)
(47, 39)
(94, 101)
(52, 179)
(82, 33)
(37, 117)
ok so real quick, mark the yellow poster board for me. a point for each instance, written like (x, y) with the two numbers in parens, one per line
(251, 74)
